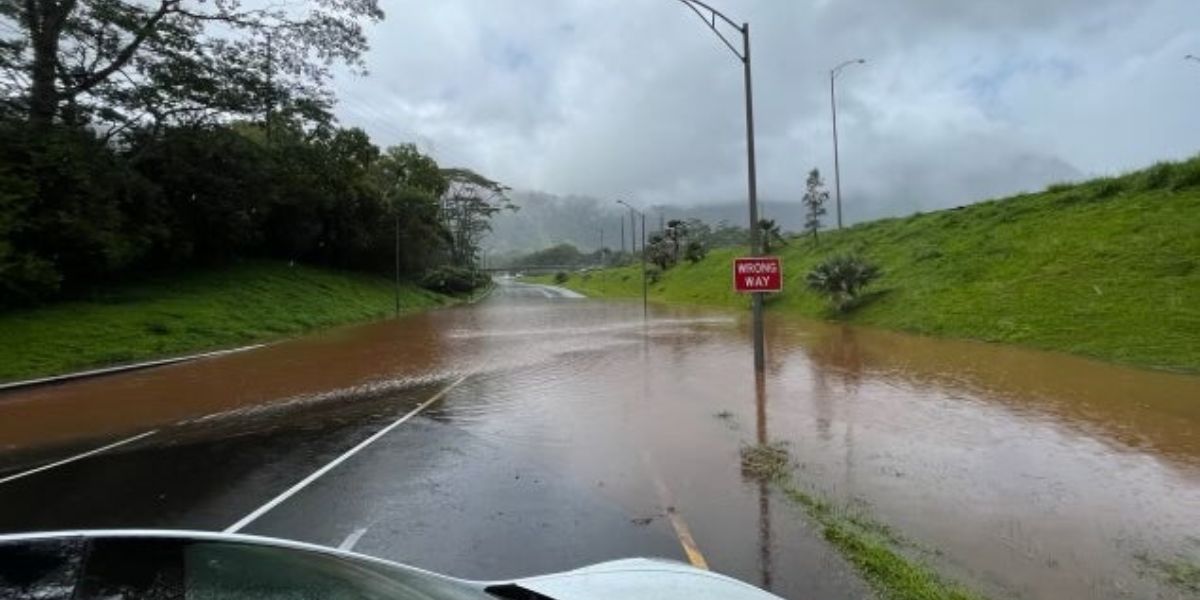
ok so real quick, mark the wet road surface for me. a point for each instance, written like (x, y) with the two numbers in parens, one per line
(569, 432)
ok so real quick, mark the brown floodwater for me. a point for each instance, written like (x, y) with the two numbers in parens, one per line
(1034, 474)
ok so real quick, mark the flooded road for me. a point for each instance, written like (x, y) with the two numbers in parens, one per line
(574, 431)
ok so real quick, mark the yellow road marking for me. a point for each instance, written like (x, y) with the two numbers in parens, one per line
(686, 540)
(682, 532)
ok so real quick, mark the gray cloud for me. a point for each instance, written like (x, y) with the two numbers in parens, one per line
(959, 101)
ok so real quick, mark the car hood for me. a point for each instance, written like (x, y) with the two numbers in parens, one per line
(637, 578)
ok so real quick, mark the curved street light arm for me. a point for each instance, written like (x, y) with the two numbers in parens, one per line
(1192, 57)
(627, 205)
(711, 20)
(834, 72)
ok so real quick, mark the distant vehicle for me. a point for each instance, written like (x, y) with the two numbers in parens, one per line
(86, 565)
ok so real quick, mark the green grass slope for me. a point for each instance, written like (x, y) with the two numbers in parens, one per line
(193, 312)
(1108, 268)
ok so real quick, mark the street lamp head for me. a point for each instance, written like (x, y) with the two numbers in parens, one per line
(834, 72)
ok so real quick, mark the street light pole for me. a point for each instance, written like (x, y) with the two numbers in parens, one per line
(645, 284)
(710, 15)
(837, 168)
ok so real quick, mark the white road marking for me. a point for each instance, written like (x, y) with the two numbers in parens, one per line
(303, 483)
(72, 459)
(352, 539)
(162, 362)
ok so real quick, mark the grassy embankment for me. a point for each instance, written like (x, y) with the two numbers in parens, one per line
(193, 312)
(1108, 268)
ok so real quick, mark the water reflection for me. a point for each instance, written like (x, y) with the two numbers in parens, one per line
(766, 565)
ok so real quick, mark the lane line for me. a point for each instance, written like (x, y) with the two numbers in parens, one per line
(686, 540)
(303, 483)
(352, 539)
(161, 362)
(72, 459)
(682, 531)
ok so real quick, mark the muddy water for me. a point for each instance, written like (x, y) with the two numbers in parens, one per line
(1036, 475)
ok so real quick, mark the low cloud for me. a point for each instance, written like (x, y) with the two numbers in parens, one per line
(959, 101)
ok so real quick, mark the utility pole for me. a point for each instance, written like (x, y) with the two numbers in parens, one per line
(645, 283)
(837, 169)
(601, 249)
(632, 233)
(710, 15)
(632, 228)
(622, 235)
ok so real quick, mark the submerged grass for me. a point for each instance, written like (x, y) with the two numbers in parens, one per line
(192, 312)
(1180, 572)
(874, 549)
(1108, 268)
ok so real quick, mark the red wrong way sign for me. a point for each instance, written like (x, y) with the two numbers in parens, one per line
(758, 274)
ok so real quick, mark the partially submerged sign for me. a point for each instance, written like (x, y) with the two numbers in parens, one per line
(757, 274)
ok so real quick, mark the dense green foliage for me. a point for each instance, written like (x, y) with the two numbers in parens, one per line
(75, 211)
(202, 310)
(1107, 268)
(115, 65)
(153, 137)
(560, 255)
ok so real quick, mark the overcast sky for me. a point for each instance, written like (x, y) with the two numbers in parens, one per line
(959, 100)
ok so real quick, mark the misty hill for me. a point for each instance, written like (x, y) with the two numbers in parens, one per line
(546, 220)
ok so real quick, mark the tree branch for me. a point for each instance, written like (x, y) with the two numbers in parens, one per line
(164, 8)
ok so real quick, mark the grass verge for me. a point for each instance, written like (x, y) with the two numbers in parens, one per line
(193, 312)
(1108, 269)
(1180, 572)
(877, 552)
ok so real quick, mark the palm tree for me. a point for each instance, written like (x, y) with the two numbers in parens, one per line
(770, 233)
(842, 279)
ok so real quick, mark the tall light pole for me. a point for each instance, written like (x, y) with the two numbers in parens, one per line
(632, 229)
(710, 16)
(645, 284)
(837, 167)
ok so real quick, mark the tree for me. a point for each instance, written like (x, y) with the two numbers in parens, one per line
(467, 207)
(769, 234)
(660, 252)
(128, 62)
(841, 279)
(696, 251)
(677, 233)
(563, 254)
(814, 203)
